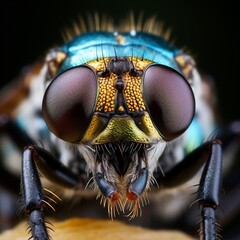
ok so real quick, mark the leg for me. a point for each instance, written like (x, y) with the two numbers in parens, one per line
(209, 154)
(10, 182)
(230, 139)
(209, 192)
(32, 189)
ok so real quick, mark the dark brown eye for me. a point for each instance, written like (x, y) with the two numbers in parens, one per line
(69, 102)
(169, 99)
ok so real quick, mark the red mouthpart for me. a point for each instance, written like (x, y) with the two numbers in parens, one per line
(131, 196)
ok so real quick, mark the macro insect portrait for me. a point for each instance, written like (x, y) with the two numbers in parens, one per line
(117, 112)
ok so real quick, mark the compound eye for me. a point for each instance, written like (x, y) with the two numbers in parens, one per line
(169, 100)
(69, 103)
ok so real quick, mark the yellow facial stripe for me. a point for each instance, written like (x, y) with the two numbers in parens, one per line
(96, 126)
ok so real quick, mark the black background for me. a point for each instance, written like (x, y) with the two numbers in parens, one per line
(209, 29)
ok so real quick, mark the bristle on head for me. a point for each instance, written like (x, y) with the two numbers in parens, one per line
(95, 23)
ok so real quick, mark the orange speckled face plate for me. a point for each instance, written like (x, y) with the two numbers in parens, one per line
(132, 86)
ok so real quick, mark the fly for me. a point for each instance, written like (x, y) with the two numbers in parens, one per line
(117, 99)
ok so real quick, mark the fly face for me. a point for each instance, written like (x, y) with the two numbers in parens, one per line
(125, 107)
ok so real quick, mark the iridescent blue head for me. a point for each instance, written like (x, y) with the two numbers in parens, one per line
(95, 45)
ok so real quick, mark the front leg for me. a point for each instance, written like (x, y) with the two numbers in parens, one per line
(209, 192)
(32, 188)
(210, 154)
(33, 195)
